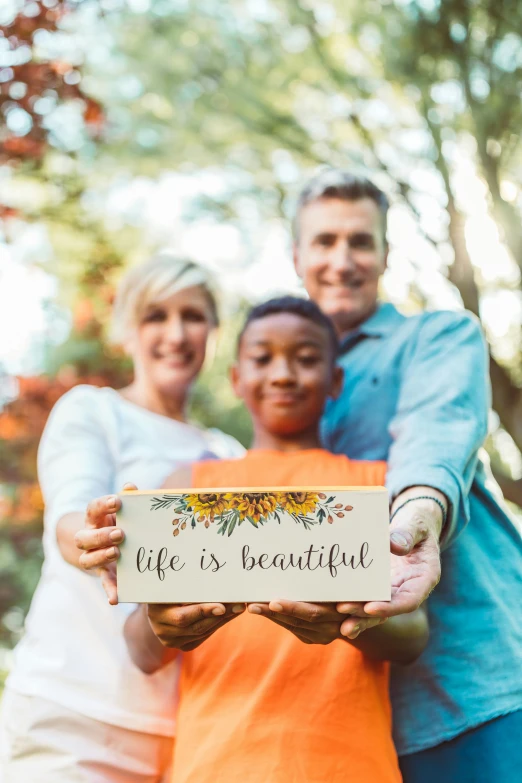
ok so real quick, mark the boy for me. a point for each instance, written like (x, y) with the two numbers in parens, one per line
(255, 704)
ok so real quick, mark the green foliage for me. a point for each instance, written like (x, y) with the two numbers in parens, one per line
(213, 403)
(20, 563)
(407, 91)
(85, 354)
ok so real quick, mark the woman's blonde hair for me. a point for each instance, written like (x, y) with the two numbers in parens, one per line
(151, 282)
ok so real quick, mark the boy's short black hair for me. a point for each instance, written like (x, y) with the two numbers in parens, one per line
(304, 308)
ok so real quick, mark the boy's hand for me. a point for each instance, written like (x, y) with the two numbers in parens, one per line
(99, 541)
(185, 627)
(313, 623)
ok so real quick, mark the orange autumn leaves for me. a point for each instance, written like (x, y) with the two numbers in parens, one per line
(21, 424)
(23, 505)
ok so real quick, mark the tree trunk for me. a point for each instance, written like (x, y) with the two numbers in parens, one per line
(511, 488)
(507, 398)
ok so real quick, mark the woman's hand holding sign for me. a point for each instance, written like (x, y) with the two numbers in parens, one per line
(99, 541)
(179, 627)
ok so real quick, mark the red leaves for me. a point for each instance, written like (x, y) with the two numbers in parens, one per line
(8, 212)
(27, 505)
(22, 147)
(93, 114)
(39, 79)
(24, 418)
(24, 27)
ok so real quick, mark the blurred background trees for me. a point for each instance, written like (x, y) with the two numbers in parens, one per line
(134, 124)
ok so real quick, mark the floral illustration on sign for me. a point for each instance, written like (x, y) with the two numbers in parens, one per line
(230, 509)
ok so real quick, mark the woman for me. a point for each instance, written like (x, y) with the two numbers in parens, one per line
(76, 708)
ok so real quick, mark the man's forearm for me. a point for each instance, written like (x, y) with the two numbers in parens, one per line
(399, 639)
(428, 512)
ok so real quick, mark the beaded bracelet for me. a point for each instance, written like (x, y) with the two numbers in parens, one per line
(422, 497)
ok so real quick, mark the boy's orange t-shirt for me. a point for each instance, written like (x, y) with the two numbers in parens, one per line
(256, 705)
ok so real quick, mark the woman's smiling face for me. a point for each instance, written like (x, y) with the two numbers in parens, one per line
(169, 344)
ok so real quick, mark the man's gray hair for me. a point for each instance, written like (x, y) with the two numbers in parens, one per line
(338, 184)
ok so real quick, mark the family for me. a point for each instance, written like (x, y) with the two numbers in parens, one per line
(342, 390)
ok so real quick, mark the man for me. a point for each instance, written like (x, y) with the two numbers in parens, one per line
(416, 394)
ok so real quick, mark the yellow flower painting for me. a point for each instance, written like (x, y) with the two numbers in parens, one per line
(253, 505)
(208, 504)
(230, 509)
(298, 502)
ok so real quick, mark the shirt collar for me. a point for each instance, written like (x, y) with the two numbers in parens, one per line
(383, 321)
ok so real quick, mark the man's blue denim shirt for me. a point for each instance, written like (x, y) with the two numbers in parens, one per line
(416, 394)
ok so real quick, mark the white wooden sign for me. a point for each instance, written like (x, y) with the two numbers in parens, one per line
(240, 545)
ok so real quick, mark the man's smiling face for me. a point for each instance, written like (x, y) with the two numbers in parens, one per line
(340, 254)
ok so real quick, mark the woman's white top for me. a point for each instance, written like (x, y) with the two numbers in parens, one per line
(73, 651)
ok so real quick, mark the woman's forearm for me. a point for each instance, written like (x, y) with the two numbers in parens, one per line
(399, 639)
(66, 529)
(145, 649)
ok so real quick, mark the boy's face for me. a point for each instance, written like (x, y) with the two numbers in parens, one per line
(285, 373)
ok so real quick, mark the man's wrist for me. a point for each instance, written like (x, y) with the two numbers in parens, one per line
(429, 503)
